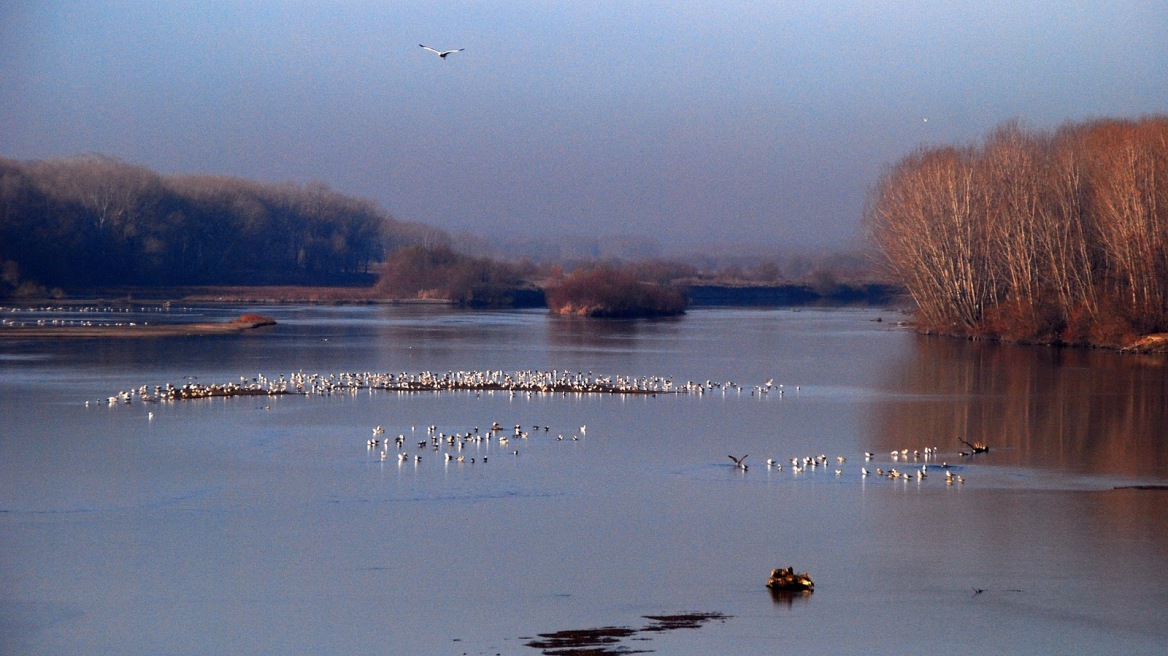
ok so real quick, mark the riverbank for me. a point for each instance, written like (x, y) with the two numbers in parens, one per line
(43, 330)
(697, 295)
(1154, 343)
(1150, 344)
(795, 295)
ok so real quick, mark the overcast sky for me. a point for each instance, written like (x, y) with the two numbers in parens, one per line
(690, 122)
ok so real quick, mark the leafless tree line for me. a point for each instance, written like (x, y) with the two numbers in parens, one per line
(1058, 236)
(94, 221)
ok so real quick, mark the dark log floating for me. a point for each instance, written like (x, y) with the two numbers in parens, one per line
(786, 580)
(978, 447)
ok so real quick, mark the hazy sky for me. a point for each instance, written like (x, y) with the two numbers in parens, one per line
(691, 122)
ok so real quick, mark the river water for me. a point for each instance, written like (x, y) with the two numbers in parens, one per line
(268, 525)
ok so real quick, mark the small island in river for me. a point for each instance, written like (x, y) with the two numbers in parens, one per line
(612, 293)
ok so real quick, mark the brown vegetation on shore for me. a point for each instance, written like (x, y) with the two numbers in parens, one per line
(274, 294)
(1154, 343)
(418, 272)
(612, 292)
(636, 290)
(1053, 238)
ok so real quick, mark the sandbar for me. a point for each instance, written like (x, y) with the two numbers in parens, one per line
(241, 324)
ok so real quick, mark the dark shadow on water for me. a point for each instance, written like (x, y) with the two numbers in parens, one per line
(607, 640)
(789, 598)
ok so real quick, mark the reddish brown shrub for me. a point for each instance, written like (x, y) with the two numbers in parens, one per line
(609, 292)
(1022, 320)
(256, 319)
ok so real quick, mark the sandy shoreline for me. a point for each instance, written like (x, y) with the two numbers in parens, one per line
(127, 331)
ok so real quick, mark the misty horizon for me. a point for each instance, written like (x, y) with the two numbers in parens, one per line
(693, 127)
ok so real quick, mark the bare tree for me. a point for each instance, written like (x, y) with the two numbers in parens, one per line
(1031, 234)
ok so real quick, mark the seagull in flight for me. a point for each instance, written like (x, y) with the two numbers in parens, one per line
(739, 463)
(440, 53)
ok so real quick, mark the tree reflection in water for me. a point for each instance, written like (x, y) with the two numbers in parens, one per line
(1087, 411)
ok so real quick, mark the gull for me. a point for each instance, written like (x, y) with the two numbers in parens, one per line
(739, 463)
(441, 53)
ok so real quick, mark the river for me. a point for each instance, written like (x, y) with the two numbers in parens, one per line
(269, 525)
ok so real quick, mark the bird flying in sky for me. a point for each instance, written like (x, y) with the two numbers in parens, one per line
(441, 53)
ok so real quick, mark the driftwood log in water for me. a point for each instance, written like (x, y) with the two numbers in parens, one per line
(978, 447)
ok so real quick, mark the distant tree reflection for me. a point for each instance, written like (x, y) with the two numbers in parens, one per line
(1090, 411)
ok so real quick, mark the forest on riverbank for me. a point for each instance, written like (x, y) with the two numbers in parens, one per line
(1058, 237)
(93, 221)
(91, 225)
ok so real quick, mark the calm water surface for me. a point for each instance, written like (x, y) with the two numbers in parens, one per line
(268, 526)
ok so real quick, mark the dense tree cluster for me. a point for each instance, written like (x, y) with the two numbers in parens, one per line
(420, 272)
(96, 221)
(1057, 236)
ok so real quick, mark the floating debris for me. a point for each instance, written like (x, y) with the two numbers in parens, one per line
(607, 639)
(681, 621)
(978, 447)
(786, 580)
(603, 640)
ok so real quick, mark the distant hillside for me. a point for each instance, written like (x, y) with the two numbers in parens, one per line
(95, 221)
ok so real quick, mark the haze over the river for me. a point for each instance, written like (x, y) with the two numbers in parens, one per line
(691, 123)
